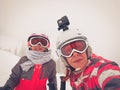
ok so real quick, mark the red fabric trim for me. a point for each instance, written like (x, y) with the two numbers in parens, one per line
(36, 83)
(107, 67)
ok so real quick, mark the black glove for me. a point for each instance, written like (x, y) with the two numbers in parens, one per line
(63, 85)
(1, 88)
(5, 88)
(51, 86)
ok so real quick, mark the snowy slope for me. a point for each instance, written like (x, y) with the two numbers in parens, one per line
(8, 60)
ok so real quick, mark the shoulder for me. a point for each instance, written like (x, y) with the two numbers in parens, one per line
(105, 67)
(102, 62)
(107, 71)
(52, 61)
(50, 64)
(23, 59)
(17, 65)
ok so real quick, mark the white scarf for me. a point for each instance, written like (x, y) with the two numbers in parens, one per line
(35, 58)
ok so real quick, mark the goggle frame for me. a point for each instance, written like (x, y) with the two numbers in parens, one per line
(39, 41)
(59, 51)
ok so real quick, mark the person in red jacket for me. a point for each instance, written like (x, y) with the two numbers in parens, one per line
(36, 68)
(84, 69)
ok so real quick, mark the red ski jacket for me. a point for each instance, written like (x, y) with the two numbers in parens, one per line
(100, 74)
(35, 83)
(35, 78)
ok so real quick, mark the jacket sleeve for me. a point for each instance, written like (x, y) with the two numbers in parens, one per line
(14, 76)
(52, 79)
(113, 84)
(109, 78)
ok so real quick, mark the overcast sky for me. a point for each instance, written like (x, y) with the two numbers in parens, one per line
(99, 20)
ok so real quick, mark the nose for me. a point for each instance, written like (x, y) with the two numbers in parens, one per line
(75, 53)
(39, 44)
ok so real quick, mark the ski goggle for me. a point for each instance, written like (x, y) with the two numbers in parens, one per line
(78, 45)
(39, 40)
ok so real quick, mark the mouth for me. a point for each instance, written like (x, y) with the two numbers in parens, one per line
(77, 60)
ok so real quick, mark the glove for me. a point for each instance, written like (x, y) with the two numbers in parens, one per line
(51, 86)
(1, 88)
(5, 88)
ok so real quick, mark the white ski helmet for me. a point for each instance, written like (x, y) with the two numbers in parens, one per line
(68, 35)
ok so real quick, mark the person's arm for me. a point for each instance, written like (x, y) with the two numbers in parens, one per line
(109, 79)
(52, 79)
(5, 88)
(14, 78)
(113, 84)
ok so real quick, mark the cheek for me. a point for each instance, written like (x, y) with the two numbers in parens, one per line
(37, 48)
(33, 48)
(69, 60)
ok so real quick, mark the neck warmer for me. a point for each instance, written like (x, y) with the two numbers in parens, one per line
(35, 58)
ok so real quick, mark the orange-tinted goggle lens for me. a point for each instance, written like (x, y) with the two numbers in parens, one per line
(36, 40)
(79, 45)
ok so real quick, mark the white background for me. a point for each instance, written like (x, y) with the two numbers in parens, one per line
(99, 20)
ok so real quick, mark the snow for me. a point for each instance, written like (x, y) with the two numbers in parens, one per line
(8, 60)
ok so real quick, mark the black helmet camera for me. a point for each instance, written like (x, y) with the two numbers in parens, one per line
(63, 23)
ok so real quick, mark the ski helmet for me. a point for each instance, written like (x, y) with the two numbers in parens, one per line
(68, 35)
(38, 35)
